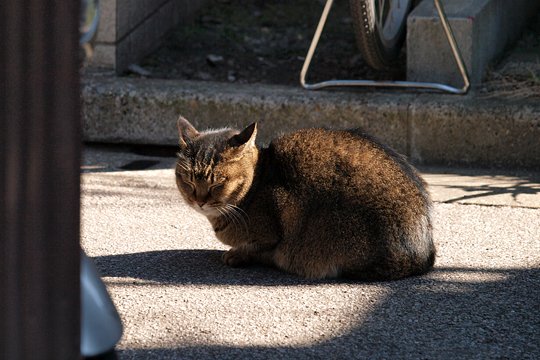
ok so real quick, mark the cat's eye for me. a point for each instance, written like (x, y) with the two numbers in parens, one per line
(189, 184)
(215, 187)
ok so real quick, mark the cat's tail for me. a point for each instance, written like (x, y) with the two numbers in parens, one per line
(417, 249)
(425, 264)
(406, 254)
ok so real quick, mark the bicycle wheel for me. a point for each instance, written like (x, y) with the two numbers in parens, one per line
(379, 27)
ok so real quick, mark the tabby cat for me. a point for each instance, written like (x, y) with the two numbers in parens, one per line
(318, 203)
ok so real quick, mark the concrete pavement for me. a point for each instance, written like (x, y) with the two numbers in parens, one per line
(161, 263)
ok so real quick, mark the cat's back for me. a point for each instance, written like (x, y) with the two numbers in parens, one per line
(338, 159)
(350, 190)
(314, 147)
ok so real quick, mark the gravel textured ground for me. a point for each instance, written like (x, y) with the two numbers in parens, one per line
(162, 266)
(245, 41)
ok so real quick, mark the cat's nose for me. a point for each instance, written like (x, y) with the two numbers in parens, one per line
(200, 203)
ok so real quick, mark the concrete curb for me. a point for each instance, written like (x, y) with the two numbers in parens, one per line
(429, 128)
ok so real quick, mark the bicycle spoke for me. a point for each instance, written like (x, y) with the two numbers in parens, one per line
(380, 13)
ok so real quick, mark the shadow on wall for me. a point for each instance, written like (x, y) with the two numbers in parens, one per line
(444, 315)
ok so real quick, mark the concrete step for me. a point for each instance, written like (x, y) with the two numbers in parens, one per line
(483, 30)
(429, 128)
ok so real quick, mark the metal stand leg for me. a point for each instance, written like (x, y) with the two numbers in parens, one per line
(399, 84)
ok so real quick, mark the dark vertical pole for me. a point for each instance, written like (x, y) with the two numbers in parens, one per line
(39, 179)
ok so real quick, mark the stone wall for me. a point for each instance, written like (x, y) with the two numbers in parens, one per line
(131, 29)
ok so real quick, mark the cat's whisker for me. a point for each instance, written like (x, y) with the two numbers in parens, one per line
(229, 218)
(221, 212)
(233, 217)
(238, 214)
(226, 215)
(242, 215)
(239, 209)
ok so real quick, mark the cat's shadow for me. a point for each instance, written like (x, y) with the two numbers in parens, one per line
(437, 316)
(198, 266)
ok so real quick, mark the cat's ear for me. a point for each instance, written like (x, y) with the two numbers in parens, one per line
(186, 131)
(246, 138)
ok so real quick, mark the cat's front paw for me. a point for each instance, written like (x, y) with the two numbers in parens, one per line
(234, 258)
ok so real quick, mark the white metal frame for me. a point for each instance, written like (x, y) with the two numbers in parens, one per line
(396, 84)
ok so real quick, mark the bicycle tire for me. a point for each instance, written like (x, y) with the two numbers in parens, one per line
(379, 53)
